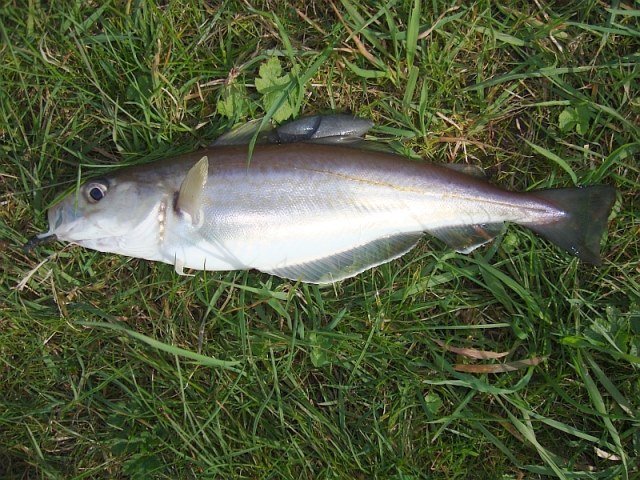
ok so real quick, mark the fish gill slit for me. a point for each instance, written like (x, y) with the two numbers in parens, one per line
(162, 220)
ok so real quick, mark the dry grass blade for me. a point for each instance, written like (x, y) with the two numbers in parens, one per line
(359, 45)
(499, 367)
(472, 352)
(428, 31)
(606, 455)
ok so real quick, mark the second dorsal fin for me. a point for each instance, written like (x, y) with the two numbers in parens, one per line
(467, 169)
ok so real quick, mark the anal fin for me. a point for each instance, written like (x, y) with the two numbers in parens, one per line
(350, 262)
(466, 238)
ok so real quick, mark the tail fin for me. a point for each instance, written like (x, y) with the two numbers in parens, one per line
(587, 212)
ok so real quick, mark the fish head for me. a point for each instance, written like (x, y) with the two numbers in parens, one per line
(109, 214)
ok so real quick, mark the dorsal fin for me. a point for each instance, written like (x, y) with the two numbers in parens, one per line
(243, 134)
(331, 129)
(334, 128)
(191, 192)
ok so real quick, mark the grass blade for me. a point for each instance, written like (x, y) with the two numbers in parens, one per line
(173, 350)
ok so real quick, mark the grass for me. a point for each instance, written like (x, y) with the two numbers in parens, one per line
(117, 368)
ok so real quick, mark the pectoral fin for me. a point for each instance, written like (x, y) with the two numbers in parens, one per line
(191, 192)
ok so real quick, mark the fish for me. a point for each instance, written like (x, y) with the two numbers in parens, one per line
(312, 202)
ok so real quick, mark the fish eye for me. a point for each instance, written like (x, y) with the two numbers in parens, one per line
(95, 192)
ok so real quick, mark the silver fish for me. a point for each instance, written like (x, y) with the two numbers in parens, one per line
(310, 206)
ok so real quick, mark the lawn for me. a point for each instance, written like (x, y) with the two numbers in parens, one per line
(114, 367)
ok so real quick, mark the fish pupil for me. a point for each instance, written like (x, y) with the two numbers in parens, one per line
(96, 194)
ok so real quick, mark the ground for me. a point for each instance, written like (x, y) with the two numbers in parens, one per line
(114, 367)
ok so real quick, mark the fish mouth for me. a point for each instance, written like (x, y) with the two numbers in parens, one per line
(55, 215)
(38, 240)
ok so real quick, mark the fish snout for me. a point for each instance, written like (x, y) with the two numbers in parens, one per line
(63, 219)
(56, 215)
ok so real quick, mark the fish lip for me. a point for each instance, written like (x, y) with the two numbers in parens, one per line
(55, 216)
(38, 240)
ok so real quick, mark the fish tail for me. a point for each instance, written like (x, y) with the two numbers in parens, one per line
(580, 230)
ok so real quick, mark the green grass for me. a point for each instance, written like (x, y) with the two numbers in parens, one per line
(118, 368)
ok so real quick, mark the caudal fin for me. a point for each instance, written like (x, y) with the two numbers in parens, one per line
(581, 230)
